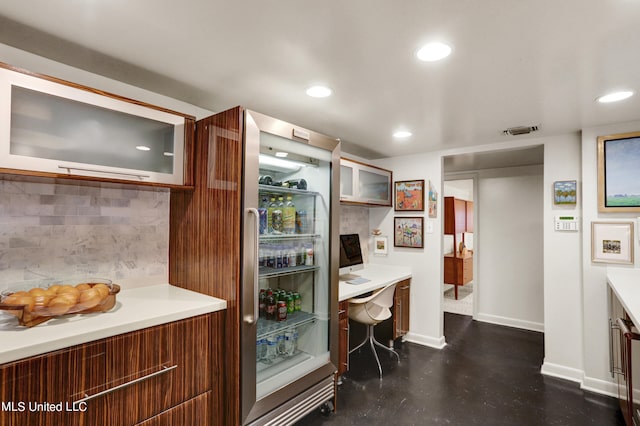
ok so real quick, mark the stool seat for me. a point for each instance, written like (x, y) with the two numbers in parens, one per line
(371, 311)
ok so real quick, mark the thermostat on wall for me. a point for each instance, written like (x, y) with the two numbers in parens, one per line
(566, 223)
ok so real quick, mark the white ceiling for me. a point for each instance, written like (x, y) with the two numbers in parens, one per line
(514, 62)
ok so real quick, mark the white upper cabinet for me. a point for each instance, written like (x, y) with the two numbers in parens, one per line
(364, 184)
(51, 127)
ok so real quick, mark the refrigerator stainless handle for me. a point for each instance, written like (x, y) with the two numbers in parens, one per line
(256, 249)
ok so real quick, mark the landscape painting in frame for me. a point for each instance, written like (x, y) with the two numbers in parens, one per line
(618, 173)
(408, 232)
(409, 195)
(564, 192)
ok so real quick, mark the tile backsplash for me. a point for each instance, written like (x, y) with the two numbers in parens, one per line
(56, 231)
(355, 220)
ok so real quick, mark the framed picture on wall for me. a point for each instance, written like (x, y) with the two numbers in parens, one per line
(409, 195)
(565, 192)
(380, 245)
(612, 242)
(408, 232)
(433, 201)
(618, 173)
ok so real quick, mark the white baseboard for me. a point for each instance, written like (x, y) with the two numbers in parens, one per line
(600, 386)
(511, 322)
(590, 384)
(562, 372)
(432, 342)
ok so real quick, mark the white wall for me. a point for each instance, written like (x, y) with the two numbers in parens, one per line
(509, 273)
(594, 296)
(426, 264)
(562, 314)
(562, 265)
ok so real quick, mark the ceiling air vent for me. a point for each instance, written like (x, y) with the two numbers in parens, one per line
(520, 130)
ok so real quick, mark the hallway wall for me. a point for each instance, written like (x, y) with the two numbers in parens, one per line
(510, 247)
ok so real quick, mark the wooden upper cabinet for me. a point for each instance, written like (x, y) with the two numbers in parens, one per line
(54, 128)
(469, 219)
(455, 216)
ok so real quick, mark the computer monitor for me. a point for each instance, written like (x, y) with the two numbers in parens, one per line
(350, 254)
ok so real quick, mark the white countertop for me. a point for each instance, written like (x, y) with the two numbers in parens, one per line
(380, 276)
(135, 309)
(625, 283)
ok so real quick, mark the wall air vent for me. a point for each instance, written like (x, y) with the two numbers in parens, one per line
(520, 130)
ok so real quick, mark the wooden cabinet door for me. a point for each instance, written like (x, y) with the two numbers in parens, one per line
(52, 378)
(469, 216)
(161, 371)
(402, 304)
(460, 212)
(343, 346)
(191, 412)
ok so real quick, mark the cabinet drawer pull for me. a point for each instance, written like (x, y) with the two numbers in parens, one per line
(405, 287)
(342, 311)
(126, 384)
(69, 168)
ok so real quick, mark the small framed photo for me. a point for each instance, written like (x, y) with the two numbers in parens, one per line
(380, 245)
(612, 242)
(409, 196)
(433, 201)
(618, 173)
(565, 192)
(408, 232)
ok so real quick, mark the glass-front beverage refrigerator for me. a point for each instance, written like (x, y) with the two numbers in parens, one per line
(290, 281)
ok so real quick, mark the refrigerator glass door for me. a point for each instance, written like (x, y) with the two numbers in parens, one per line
(292, 331)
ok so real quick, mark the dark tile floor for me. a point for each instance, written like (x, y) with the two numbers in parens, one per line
(486, 375)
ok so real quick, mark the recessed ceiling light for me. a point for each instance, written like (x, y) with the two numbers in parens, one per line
(615, 96)
(319, 91)
(168, 154)
(402, 134)
(281, 154)
(143, 148)
(433, 52)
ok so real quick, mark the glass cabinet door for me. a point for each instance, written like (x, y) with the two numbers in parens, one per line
(51, 127)
(374, 186)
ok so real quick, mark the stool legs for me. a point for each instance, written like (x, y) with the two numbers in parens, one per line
(373, 342)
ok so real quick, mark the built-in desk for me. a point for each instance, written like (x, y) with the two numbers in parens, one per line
(379, 276)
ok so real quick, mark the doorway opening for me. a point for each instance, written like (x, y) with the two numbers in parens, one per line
(458, 247)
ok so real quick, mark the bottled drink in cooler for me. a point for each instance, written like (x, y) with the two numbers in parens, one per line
(289, 342)
(289, 217)
(270, 306)
(262, 303)
(263, 215)
(302, 225)
(277, 216)
(270, 209)
(272, 348)
(297, 302)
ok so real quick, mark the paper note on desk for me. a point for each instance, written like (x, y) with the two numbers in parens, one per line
(358, 280)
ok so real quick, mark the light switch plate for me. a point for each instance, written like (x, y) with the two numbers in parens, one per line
(430, 227)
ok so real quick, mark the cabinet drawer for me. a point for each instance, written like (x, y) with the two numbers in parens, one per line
(191, 412)
(120, 380)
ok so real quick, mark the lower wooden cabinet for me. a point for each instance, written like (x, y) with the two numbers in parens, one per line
(343, 346)
(190, 412)
(121, 380)
(402, 298)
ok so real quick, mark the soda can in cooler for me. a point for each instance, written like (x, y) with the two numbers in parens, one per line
(302, 226)
(282, 310)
